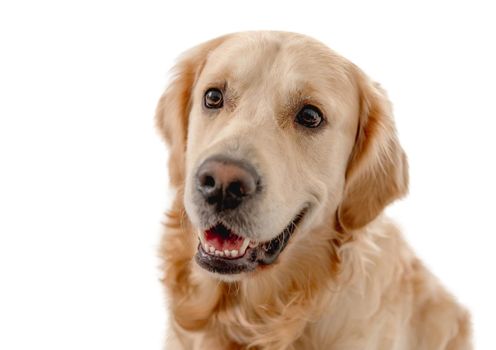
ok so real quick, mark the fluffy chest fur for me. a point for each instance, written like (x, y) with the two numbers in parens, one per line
(363, 294)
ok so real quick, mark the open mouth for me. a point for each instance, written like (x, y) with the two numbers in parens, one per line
(221, 241)
(223, 251)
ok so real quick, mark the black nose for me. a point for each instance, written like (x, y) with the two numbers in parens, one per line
(226, 182)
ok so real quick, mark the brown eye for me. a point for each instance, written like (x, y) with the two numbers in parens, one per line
(213, 99)
(309, 116)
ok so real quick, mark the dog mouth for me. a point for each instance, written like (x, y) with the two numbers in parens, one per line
(223, 251)
(221, 241)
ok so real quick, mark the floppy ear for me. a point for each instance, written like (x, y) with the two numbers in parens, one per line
(174, 106)
(377, 172)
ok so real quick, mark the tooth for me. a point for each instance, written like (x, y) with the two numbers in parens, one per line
(227, 253)
(200, 236)
(253, 244)
(219, 253)
(212, 249)
(234, 253)
(245, 244)
(206, 247)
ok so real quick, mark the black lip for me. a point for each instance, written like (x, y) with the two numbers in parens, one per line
(264, 254)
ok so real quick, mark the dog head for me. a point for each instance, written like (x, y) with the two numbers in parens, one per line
(270, 135)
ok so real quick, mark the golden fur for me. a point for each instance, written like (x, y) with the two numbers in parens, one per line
(347, 279)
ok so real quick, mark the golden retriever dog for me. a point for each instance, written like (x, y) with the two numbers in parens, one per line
(283, 156)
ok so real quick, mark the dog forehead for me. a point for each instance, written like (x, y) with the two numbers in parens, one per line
(254, 54)
(241, 58)
(276, 58)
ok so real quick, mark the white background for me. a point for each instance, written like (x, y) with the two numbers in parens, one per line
(83, 179)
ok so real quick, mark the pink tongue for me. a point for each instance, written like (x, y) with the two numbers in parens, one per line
(222, 239)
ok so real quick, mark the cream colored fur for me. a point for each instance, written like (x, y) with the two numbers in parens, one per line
(347, 280)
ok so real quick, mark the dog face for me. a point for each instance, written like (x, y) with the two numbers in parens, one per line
(272, 134)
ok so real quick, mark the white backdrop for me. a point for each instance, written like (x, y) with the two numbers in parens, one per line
(83, 179)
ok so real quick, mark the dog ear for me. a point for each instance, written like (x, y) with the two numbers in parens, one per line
(377, 172)
(174, 106)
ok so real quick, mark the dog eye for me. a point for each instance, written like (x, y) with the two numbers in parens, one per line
(213, 98)
(309, 116)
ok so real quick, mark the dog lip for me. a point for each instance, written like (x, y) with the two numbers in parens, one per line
(265, 253)
(275, 246)
(220, 265)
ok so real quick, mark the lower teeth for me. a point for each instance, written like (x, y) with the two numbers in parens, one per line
(229, 253)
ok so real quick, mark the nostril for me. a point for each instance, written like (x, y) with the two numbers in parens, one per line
(207, 181)
(210, 188)
(236, 188)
